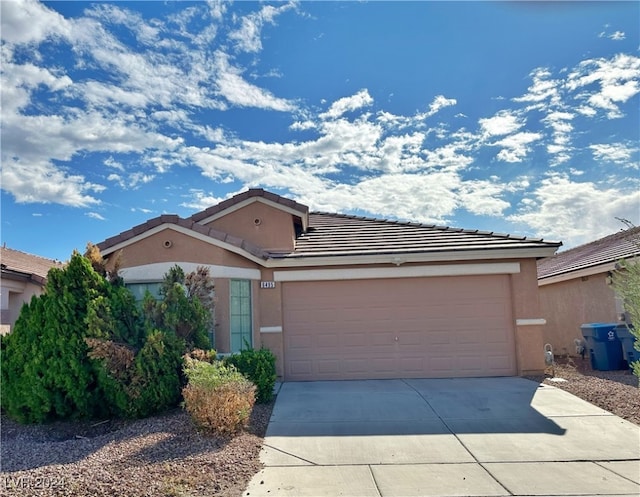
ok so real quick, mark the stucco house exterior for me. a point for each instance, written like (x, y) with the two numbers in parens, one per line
(575, 287)
(345, 297)
(23, 276)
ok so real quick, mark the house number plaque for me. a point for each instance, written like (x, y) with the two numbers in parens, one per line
(267, 284)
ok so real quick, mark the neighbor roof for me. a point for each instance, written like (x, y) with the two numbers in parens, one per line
(610, 249)
(25, 266)
(341, 236)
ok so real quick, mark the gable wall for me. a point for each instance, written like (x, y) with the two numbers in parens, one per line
(265, 226)
(183, 248)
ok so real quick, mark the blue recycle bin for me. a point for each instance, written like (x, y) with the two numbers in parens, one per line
(627, 340)
(604, 347)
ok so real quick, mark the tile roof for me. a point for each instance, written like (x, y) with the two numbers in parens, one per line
(251, 193)
(336, 235)
(612, 248)
(189, 224)
(29, 265)
(339, 234)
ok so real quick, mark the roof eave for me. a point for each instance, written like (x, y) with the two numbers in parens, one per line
(243, 249)
(580, 272)
(400, 258)
(14, 275)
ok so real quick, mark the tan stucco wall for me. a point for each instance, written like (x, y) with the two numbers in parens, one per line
(267, 303)
(569, 304)
(183, 248)
(14, 294)
(526, 305)
(263, 225)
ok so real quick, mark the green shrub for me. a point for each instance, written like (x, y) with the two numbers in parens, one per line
(156, 381)
(85, 349)
(181, 309)
(217, 397)
(46, 373)
(258, 366)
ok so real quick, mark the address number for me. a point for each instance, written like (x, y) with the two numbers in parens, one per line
(267, 284)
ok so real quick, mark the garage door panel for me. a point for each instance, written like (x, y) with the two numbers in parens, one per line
(415, 327)
(328, 366)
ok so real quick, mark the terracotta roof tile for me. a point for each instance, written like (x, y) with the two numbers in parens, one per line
(29, 264)
(612, 248)
(339, 234)
(331, 234)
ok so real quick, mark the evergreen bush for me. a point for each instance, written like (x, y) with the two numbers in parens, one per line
(259, 367)
(85, 349)
(45, 370)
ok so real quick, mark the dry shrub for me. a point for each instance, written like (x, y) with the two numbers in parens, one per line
(217, 397)
(118, 357)
(202, 355)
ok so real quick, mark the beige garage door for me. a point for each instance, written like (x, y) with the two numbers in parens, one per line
(398, 328)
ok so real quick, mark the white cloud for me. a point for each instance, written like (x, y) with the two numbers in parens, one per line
(95, 215)
(618, 80)
(482, 197)
(615, 36)
(348, 104)
(617, 153)
(29, 21)
(144, 33)
(113, 164)
(516, 147)
(44, 183)
(248, 37)
(503, 123)
(240, 92)
(543, 89)
(577, 212)
(199, 200)
(440, 102)
(561, 128)
(133, 180)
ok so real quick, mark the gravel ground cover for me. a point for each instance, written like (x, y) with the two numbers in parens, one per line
(615, 391)
(166, 456)
(159, 456)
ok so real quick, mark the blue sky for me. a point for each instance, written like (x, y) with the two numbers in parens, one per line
(513, 117)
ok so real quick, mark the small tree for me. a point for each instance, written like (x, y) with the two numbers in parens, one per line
(626, 282)
(45, 370)
(186, 307)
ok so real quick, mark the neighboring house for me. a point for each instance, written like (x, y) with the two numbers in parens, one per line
(23, 276)
(346, 297)
(575, 287)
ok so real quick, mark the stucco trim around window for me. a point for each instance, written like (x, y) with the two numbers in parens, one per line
(397, 272)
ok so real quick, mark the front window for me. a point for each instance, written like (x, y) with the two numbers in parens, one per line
(240, 314)
(140, 289)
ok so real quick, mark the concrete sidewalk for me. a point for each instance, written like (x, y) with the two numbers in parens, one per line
(444, 437)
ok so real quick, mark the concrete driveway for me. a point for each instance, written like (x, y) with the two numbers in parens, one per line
(444, 437)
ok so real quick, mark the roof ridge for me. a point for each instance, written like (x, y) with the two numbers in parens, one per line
(31, 255)
(622, 233)
(245, 195)
(451, 229)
